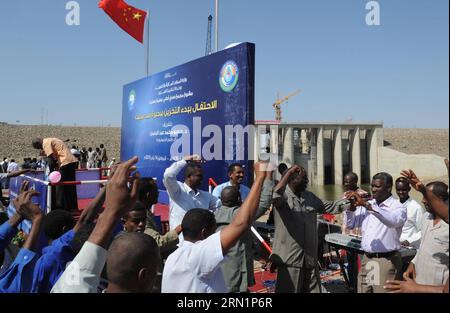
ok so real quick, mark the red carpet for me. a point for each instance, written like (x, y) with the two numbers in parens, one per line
(262, 276)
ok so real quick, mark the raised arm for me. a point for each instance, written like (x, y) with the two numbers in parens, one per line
(278, 192)
(279, 188)
(119, 199)
(389, 217)
(32, 212)
(439, 206)
(333, 207)
(9, 229)
(354, 201)
(170, 178)
(244, 218)
(266, 196)
(89, 214)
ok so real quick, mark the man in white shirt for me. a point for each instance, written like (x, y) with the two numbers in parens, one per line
(91, 157)
(13, 166)
(195, 266)
(411, 230)
(186, 196)
(110, 165)
(382, 219)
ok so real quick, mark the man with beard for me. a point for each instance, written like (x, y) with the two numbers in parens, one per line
(296, 236)
(382, 220)
(236, 175)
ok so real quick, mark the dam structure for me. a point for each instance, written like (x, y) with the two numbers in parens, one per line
(327, 151)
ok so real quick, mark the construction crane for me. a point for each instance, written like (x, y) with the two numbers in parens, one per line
(279, 102)
(208, 36)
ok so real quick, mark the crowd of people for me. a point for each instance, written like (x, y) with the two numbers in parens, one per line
(56, 155)
(92, 158)
(87, 158)
(116, 245)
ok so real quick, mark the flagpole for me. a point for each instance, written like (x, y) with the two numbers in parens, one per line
(147, 54)
(216, 27)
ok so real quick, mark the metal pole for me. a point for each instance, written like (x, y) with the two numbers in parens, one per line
(216, 28)
(49, 198)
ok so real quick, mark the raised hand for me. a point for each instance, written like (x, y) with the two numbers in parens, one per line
(294, 169)
(120, 198)
(30, 211)
(24, 187)
(355, 199)
(16, 219)
(23, 204)
(413, 180)
(263, 169)
(285, 178)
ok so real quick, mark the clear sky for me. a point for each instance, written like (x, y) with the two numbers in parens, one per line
(397, 72)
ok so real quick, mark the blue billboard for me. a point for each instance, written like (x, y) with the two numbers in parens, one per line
(192, 109)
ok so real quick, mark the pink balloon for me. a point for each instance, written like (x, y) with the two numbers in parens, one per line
(54, 177)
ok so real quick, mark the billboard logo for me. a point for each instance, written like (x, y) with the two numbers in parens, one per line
(131, 100)
(229, 75)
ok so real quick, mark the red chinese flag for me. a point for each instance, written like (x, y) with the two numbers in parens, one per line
(129, 18)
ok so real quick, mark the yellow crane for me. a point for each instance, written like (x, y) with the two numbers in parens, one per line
(279, 102)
